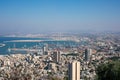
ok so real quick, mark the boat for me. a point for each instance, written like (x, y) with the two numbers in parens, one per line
(2, 45)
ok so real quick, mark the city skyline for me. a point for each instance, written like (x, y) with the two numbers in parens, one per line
(41, 16)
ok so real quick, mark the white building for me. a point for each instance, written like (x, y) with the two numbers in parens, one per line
(74, 70)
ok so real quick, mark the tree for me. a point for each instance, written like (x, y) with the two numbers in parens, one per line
(65, 78)
(109, 71)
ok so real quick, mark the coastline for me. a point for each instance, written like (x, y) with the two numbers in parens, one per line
(32, 40)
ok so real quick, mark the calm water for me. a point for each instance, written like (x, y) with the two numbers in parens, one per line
(4, 50)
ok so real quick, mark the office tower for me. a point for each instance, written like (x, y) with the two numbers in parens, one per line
(74, 70)
(56, 56)
(88, 53)
(45, 49)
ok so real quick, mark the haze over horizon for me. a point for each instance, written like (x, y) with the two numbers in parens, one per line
(40, 16)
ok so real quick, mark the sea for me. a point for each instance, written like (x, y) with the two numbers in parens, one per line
(9, 43)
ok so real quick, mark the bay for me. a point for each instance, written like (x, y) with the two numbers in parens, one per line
(9, 44)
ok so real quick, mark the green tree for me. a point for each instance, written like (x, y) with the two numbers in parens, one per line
(66, 78)
(109, 71)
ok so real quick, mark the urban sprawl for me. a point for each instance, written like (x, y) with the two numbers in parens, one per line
(63, 62)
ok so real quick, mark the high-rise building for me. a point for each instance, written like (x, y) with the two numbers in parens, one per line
(88, 53)
(74, 70)
(45, 49)
(56, 56)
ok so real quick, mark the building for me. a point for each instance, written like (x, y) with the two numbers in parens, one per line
(74, 70)
(45, 49)
(52, 66)
(47, 53)
(88, 53)
(56, 56)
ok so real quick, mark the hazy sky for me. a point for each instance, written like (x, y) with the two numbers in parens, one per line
(37, 16)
